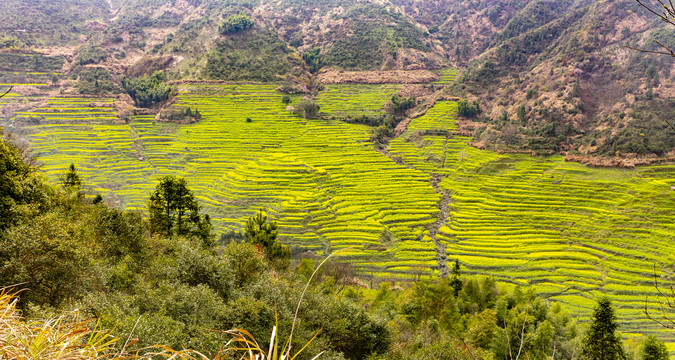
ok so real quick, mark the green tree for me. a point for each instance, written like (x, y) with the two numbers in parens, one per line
(456, 280)
(399, 104)
(313, 59)
(46, 255)
(308, 109)
(175, 211)
(465, 109)
(263, 234)
(601, 341)
(148, 91)
(482, 328)
(71, 179)
(236, 23)
(654, 349)
(246, 263)
(19, 185)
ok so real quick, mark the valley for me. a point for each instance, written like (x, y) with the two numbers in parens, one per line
(570, 231)
(483, 174)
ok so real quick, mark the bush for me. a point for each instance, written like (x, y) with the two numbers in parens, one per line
(236, 23)
(468, 110)
(92, 55)
(95, 81)
(400, 104)
(308, 109)
(148, 91)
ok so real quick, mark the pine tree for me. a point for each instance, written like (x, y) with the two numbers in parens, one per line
(175, 211)
(71, 178)
(456, 281)
(601, 341)
(263, 234)
(654, 349)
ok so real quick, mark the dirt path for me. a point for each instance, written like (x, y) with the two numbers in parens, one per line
(444, 206)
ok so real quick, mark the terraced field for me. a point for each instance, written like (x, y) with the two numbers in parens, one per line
(320, 179)
(349, 100)
(24, 78)
(572, 231)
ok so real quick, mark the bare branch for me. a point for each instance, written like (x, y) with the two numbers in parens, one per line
(522, 334)
(7, 92)
(664, 307)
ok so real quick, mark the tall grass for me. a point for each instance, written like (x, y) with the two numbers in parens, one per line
(66, 337)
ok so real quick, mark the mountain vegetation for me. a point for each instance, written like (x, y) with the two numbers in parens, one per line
(550, 77)
(174, 172)
(173, 289)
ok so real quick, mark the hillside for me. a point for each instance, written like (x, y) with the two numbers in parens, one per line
(551, 76)
(408, 134)
(572, 86)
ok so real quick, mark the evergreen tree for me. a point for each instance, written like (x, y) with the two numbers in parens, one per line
(71, 178)
(601, 341)
(654, 349)
(263, 234)
(175, 211)
(456, 280)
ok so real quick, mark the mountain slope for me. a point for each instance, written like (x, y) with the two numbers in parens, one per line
(550, 76)
(572, 85)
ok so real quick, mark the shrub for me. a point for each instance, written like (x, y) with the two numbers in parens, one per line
(308, 109)
(468, 110)
(95, 81)
(148, 91)
(236, 23)
(92, 55)
(400, 104)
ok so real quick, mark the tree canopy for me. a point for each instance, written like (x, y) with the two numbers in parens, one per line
(236, 23)
(175, 211)
(601, 341)
(148, 91)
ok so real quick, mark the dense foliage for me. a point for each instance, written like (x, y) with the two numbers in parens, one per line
(236, 23)
(92, 55)
(96, 81)
(399, 104)
(148, 91)
(468, 110)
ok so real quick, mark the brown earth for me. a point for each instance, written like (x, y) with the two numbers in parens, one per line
(629, 163)
(378, 77)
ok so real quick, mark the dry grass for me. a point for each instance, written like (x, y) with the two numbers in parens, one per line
(68, 338)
